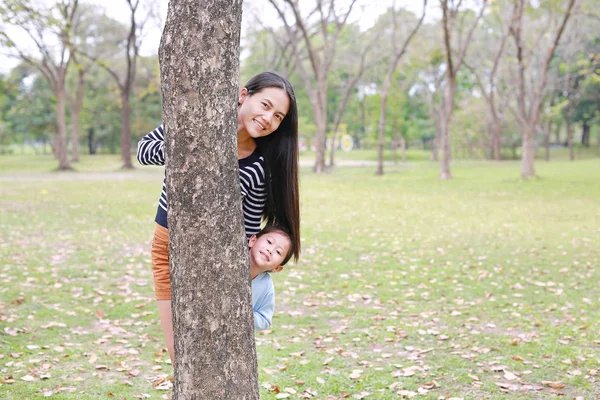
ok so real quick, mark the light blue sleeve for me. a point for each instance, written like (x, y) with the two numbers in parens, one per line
(264, 309)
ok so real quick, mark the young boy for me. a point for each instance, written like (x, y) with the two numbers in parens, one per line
(270, 250)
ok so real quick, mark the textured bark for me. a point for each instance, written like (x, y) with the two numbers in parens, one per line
(215, 355)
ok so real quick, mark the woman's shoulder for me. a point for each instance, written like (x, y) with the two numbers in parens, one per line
(254, 163)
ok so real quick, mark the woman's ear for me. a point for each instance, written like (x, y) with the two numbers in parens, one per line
(243, 96)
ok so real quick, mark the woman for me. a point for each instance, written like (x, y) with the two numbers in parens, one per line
(267, 128)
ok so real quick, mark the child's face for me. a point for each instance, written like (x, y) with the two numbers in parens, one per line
(268, 251)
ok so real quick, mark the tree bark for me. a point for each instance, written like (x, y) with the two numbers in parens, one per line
(215, 355)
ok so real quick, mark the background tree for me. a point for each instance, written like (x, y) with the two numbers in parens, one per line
(44, 26)
(530, 96)
(320, 52)
(452, 22)
(395, 55)
(215, 356)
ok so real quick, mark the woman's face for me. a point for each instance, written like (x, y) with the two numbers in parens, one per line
(261, 113)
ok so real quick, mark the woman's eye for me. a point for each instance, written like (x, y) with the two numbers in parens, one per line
(279, 117)
(265, 105)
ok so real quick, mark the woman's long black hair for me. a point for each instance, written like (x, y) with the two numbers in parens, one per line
(280, 151)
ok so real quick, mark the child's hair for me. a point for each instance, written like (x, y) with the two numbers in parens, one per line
(282, 230)
(280, 150)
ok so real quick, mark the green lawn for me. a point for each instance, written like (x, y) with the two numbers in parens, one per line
(483, 287)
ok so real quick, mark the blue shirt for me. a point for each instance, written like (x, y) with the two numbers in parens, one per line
(263, 301)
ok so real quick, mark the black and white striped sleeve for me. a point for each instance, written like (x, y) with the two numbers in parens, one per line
(252, 183)
(151, 149)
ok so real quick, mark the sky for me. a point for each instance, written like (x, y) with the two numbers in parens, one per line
(365, 12)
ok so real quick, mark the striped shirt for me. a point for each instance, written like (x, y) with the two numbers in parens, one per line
(151, 151)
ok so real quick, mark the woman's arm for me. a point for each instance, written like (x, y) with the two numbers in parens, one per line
(151, 149)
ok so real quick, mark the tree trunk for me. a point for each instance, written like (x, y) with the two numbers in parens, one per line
(61, 142)
(557, 133)
(75, 136)
(381, 128)
(332, 150)
(215, 355)
(528, 151)
(76, 104)
(91, 142)
(126, 131)
(496, 143)
(320, 112)
(585, 134)
(569, 133)
(446, 114)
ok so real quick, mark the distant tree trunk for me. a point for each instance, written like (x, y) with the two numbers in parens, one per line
(557, 132)
(527, 150)
(61, 142)
(91, 142)
(449, 93)
(585, 134)
(215, 355)
(569, 132)
(76, 104)
(381, 130)
(496, 143)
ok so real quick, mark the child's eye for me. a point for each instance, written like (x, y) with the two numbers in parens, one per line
(265, 105)
(278, 252)
(268, 241)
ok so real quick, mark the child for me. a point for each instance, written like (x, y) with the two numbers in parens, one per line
(270, 250)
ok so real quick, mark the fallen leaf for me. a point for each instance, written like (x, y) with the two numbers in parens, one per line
(553, 384)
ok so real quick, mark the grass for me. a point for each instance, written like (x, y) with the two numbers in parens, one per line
(483, 287)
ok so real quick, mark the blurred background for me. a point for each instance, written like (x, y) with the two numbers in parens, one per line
(375, 80)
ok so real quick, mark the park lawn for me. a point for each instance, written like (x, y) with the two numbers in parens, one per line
(483, 287)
